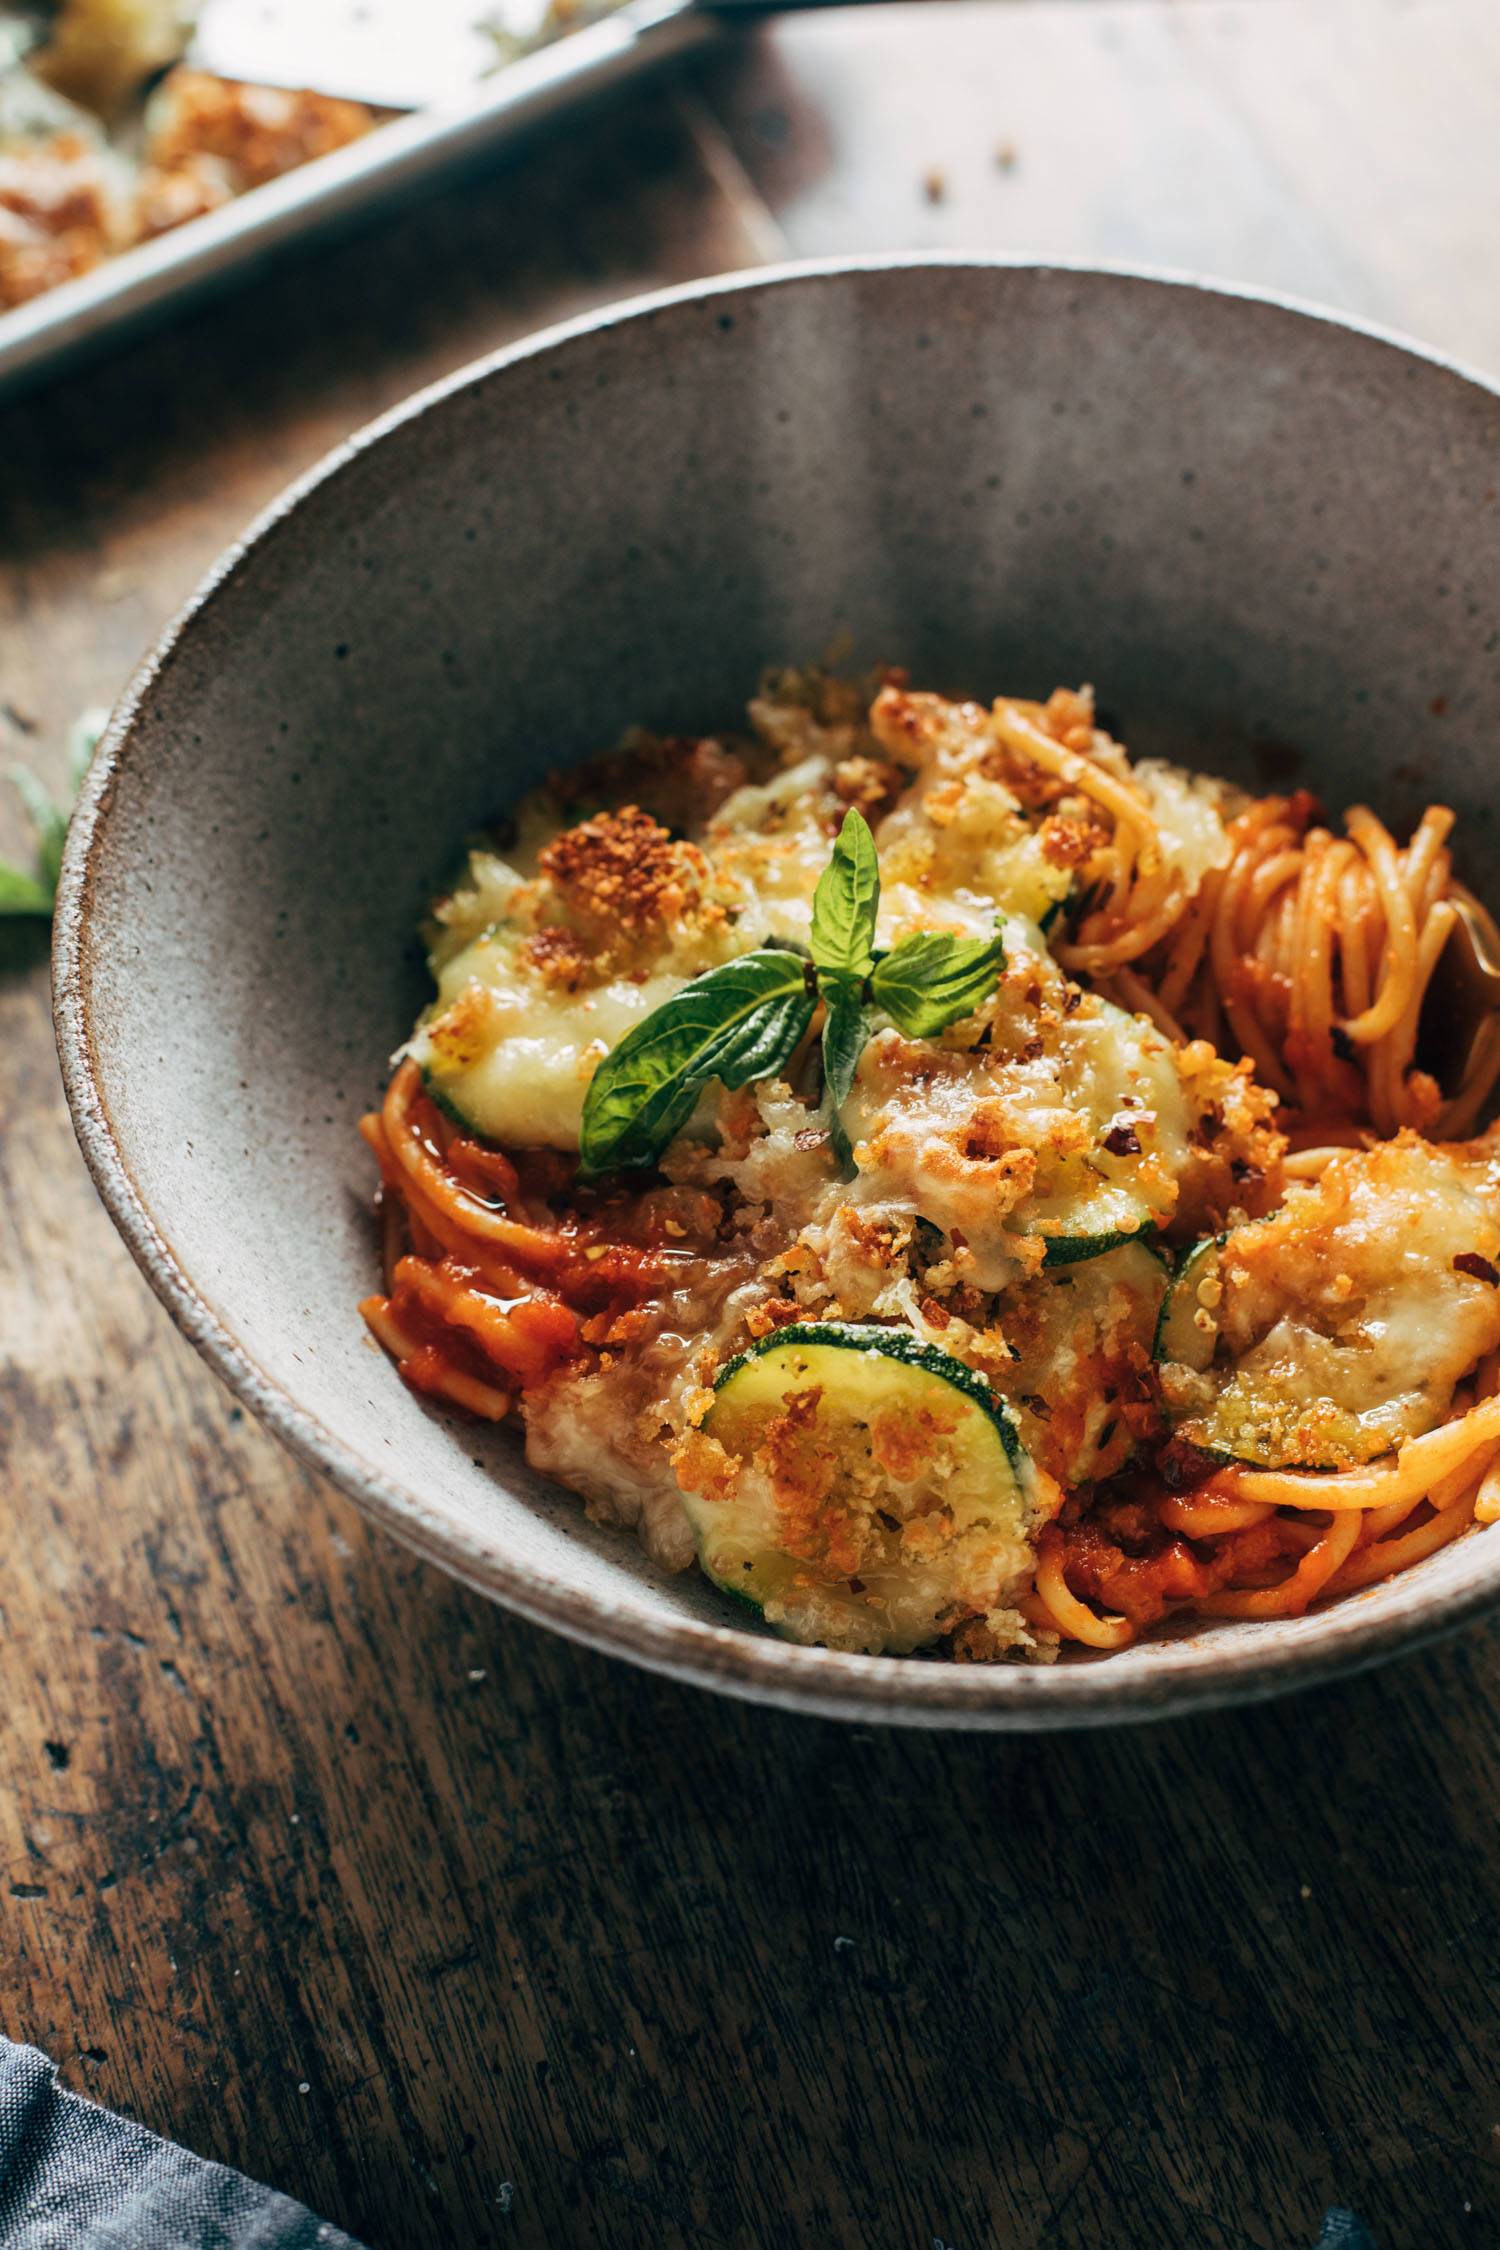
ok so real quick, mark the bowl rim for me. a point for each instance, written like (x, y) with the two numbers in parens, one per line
(733, 1660)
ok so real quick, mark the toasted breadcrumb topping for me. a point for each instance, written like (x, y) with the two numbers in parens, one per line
(623, 869)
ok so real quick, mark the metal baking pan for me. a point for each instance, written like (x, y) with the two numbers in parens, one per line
(157, 277)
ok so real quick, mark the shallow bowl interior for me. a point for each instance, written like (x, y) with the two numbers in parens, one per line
(1270, 540)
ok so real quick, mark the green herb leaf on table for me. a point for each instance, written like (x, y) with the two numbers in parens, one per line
(21, 893)
(736, 1023)
(845, 1030)
(932, 980)
(846, 902)
(48, 821)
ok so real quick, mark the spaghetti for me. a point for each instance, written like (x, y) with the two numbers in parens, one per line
(1263, 975)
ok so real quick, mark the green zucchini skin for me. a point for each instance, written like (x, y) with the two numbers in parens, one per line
(1179, 1340)
(898, 1344)
(1073, 1249)
(449, 1107)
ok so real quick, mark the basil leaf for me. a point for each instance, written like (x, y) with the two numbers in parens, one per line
(846, 900)
(845, 1030)
(21, 893)
(735, 1023)
(931, 980)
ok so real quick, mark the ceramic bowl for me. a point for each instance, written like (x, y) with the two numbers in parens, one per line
(1271, 539)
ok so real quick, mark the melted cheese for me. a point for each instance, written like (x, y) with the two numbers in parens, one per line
(1344, 1324)
(1191, 811)
(513, 1057)
(1070, 1124)
(955, 849)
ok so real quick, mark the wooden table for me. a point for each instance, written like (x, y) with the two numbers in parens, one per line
(318, 1863)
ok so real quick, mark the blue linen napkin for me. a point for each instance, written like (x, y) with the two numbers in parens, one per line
(1343, 2231)
(77, 2177)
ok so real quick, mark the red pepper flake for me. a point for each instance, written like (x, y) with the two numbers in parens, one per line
(1123, 1140)
(1469, 1261)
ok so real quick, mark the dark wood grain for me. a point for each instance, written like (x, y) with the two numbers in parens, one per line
(312, 1859)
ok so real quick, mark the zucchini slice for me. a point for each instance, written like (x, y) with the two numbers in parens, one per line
(880, 1494)
(1081, 1380)
(509, 1056)
(1340, 1327)
(1118, 1073)
(1071, 1126)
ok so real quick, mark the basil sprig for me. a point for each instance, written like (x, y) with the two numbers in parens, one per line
(743, 1021)
(26, 893)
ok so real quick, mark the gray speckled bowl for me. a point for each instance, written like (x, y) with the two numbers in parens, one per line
(1248, 526)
